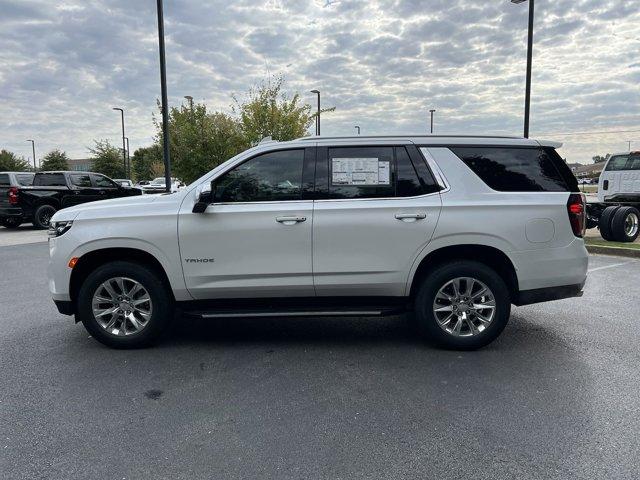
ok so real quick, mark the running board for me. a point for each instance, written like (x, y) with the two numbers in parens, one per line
(337, 312)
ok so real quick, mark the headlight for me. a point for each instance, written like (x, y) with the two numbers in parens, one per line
(59, 228)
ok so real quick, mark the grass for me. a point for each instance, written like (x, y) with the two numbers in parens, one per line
(603, 243)
(589, 188)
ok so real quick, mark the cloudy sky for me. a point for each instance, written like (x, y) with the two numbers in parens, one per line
(381, 63)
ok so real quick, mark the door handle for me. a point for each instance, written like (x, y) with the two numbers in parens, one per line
(411, 216)
(290, 220)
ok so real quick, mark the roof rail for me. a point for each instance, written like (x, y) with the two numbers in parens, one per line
(312, 138)
(266, 140)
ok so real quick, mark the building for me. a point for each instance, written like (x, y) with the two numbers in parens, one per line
(80, 164)
(589, 171)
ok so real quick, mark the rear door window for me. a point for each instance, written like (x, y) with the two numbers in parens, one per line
(509, 169)
(80, 180)
(361, 172)
(619, 162)
(101, 181)
(24, 179)
(49, 180)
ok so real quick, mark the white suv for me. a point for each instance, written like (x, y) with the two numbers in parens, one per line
(452, 230)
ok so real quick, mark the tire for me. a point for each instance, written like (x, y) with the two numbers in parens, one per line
(42, 216)
(433, 325)
(153, 324)
(11, 222)
(605, 222)
(625, 224)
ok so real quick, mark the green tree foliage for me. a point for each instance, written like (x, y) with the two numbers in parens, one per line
(143, 160)
(55, 160)
(10, 162)
(200, 141)
(107, 159)
(269, 112)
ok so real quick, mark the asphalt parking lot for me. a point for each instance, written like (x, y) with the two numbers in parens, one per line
(555, 397)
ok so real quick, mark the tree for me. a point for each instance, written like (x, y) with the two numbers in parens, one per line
(107, 159)
(199, 141)
(270, 113)
(55, 160)
(600, 159)
(142, 162)
(10, 162)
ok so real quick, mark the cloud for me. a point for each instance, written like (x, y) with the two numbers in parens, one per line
(382, 64)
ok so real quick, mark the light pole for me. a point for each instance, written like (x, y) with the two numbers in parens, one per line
(629, 142)
(317, 92)
(357, 127)
(33, 149)
(128, 172)
(165, 102)
(527, 99)
(189, 99)
(124, 147)
(432, 112)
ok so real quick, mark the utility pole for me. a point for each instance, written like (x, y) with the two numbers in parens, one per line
(357, 127)
(527, 99)
(165, 101)
(317, 92)
(33, 149)
(124, 146)
(128, 160)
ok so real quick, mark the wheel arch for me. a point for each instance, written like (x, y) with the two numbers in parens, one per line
(95, 258)
(493, 257)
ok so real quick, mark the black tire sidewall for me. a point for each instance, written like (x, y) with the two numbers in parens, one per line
(425, 318)
(38, 212)
(618, 221)
(605, 222)
(149, 279)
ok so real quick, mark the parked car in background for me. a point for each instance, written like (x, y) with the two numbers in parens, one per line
(125, 182)
(617, 212)
(452, 230)
(10, 182)
(52, 191)
(158, 185)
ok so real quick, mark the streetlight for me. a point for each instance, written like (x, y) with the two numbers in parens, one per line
(33, 148)
(189, 99)
(317, 92)
(357, 127)
(432, 112)
(128, 160)
(629, 142)
(165, 102)
(527, 100)
(124, 148)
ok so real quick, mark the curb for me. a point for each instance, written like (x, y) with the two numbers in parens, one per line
(617, 251)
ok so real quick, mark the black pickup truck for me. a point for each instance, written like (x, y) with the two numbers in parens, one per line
(51, 191)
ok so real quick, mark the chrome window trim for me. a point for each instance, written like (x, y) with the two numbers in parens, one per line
(441, 180)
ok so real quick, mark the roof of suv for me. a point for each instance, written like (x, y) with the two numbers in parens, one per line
(434, 140)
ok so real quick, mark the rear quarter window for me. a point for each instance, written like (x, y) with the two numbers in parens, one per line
(508, 169)
(49, 180)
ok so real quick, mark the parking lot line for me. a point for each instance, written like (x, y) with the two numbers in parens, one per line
(591, 270)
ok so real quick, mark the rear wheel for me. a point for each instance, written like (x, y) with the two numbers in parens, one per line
(605, 222)
(42, 216)
(625, 224)
(124, 305)
(463, 305)
(11, 222)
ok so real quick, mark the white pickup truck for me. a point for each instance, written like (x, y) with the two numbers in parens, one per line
(616, 212)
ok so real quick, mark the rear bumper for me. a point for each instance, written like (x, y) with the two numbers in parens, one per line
(548, 294)
(11, 212)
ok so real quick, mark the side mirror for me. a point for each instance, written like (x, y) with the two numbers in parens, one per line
(205, 197)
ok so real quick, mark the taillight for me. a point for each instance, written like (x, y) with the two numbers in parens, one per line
(576, 208)
(13, 195)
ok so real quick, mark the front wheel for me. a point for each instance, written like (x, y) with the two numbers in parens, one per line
(124, 305)
(463, 305)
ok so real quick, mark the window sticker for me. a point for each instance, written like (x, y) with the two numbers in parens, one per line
(360, 171)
